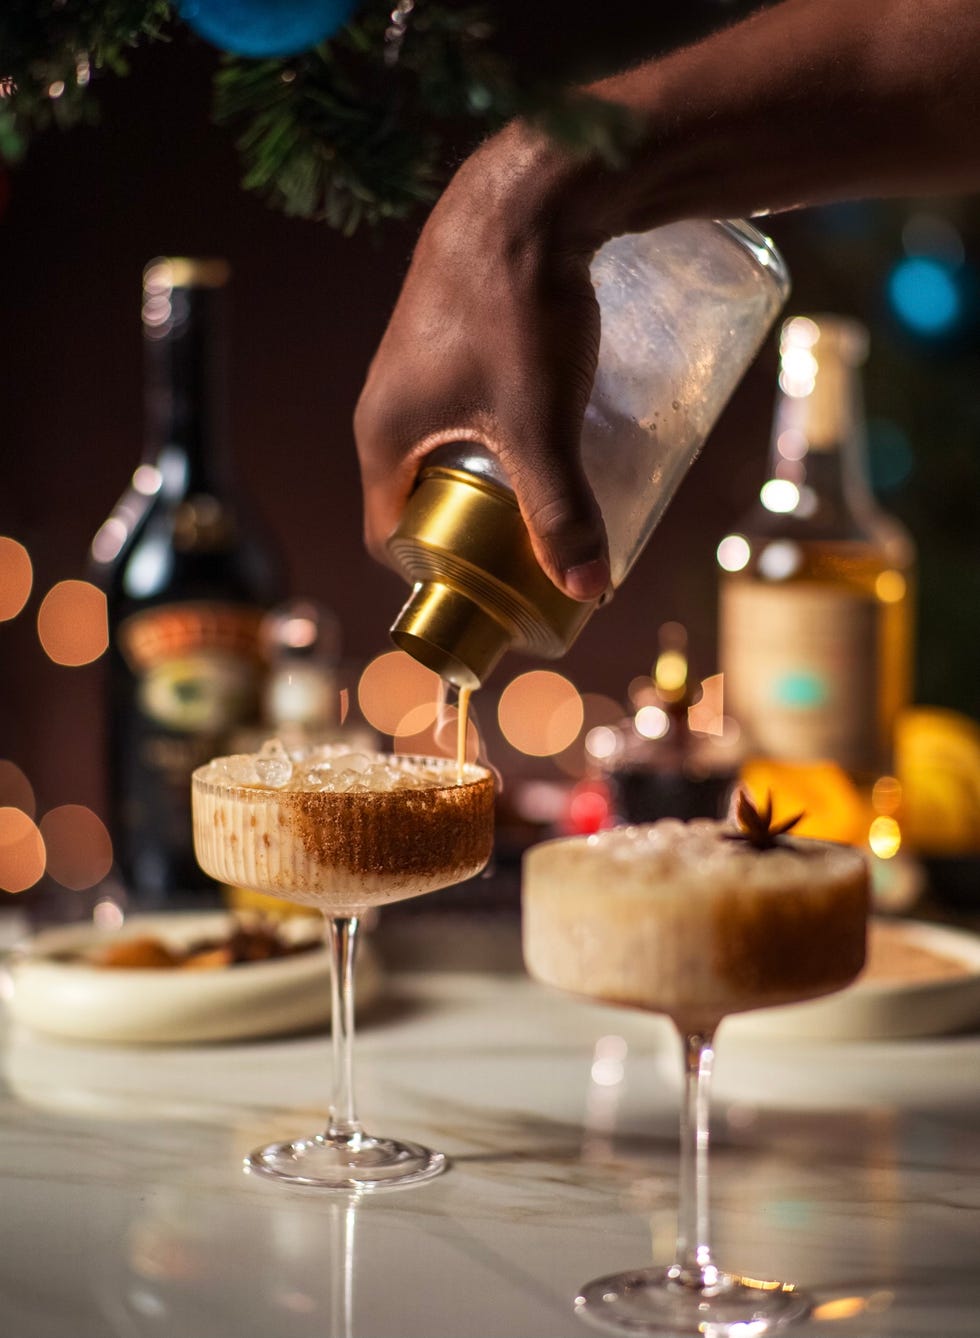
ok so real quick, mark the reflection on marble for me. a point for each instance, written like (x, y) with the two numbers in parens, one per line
(852, 1169)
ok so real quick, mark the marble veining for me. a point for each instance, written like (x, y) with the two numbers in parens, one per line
(853, 1169)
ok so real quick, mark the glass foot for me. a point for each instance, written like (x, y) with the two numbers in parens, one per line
(352, 1164)
(658, 1301)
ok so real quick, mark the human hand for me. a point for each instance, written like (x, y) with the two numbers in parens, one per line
(495, 334)
(493, 339)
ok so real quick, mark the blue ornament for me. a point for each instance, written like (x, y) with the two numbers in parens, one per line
(265, 29)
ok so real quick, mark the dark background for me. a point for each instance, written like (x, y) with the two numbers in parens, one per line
(90, 206)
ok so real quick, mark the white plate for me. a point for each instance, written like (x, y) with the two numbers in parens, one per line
(138, 1006)
(873, 1009)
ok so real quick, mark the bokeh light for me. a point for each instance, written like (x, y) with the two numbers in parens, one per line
(924, 295)
(791, 444)
(670, 673)
(417, 745)
(417, 720)
(890, 455)
(651, 722)
(16, 577)
(842, 1307)
(642, 691)
(72, 623)
(391, 686)
(779, 496)
(799, 332)
(798, 366)
(78, 846)
(540, 713)
(780, 559)
(608, 1066)
(22, 854)
(147, 480)
(428, 731)
(890, 587)
(886, 795)
(601, 717)
(602, 742)
(707, 715)
(733, 552)
(885, 837)
(108, 914)
(808, 503)
(588, 809)
(15, 789)
(109, 539)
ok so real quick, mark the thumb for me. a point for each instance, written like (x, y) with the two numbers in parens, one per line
(563, 520)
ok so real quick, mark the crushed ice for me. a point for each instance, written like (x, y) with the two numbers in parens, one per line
(333, 769)
(273, 765)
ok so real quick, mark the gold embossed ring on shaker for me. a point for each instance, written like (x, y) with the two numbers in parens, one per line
(477, 587)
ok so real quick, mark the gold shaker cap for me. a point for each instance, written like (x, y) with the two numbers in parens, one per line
(450, 633)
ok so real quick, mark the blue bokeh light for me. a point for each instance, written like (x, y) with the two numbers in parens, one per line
(265, 29)
(925, 295)
(891, 457)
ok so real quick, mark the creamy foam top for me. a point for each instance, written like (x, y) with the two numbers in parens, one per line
(677, 918)
(332, 769)
(669, 851)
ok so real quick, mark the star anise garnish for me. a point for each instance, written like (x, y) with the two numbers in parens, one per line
(756, 825)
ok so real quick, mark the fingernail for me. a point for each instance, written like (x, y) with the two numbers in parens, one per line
(588, 580)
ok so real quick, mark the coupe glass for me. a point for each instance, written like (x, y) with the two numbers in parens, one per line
(680, 919)
(342, 832)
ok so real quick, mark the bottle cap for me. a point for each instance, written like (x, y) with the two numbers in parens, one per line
(450, 633)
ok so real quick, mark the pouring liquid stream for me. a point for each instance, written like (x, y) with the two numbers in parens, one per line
(462, 723)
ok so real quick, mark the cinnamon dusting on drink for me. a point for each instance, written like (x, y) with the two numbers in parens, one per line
(402, 835)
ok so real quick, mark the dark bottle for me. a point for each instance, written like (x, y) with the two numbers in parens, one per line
(187, 582)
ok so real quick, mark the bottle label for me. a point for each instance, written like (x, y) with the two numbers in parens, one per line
(197, 665)
(801, 666)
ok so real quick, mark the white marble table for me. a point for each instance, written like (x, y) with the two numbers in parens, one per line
(853, 1169)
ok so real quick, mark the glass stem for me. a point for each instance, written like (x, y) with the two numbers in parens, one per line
(342, 939)
(693, 1266)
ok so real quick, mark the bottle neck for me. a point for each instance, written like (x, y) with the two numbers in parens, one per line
(818, 445)
(184, 371)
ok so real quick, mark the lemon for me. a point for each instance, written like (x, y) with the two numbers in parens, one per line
(937, 761)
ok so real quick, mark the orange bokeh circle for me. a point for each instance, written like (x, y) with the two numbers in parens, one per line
(16, 577)
(72, 623)
(22, 855)
(78, 845)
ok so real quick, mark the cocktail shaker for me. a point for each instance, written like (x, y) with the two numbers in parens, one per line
(684, 309)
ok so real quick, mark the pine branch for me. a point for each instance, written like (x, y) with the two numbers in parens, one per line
(49, 54)
(340, 133)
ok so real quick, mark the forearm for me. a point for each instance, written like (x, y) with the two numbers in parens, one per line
(804, 103)
(495, 334)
